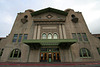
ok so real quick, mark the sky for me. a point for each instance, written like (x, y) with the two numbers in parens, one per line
(9, 9)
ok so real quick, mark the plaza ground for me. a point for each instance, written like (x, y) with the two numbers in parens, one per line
(77, 64)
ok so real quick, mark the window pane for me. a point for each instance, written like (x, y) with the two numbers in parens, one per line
(15, 37)
(11, 55)
(54, 57)
(80, 53)
(55, 49)
(19, 54)
(45, 56)
(84, 52)
(1, 52)
(49, 36)
(98, 50)
(55, 36)
(99, 37)
(84, 36)
(74, 35)
(79, 37)
(20, 37)
(43, 36)
(88, 53)
(25, 36)
(43, 49)
(16, 53)
(58, 58)
(42, 55)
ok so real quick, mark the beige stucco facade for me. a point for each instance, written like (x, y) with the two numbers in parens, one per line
(50, 22)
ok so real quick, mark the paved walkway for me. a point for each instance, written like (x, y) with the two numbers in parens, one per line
(88, 64)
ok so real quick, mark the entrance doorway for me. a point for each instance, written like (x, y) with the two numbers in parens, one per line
(50, 56)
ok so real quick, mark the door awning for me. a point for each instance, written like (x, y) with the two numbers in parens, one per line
(49, 41)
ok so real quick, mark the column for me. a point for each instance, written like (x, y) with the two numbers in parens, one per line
(64, 32)
(60, 32)
(38, 33)
(35, 32)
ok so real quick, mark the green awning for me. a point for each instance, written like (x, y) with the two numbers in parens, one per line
(49, 41)
(37, 43)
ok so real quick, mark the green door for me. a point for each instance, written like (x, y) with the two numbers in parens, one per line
(50, 57)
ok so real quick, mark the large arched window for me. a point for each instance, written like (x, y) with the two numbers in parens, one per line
(43, 36)
(55, 36)
(49, 36)
(16, 53)
(84, 52)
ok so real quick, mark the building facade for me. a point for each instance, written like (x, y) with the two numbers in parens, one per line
(50, 35)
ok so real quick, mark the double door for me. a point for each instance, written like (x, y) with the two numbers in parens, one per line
(49, 57)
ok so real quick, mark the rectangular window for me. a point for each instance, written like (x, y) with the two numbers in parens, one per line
(20, 37)
(25, 36)
(79, 37)
(74, 35)
(84, 36)
(43, 49)
(55, 49)
(98, 50)
(15, 37)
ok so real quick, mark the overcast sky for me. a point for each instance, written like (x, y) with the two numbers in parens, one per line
(9, 9)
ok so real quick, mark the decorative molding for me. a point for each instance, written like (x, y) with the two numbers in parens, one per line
(49, 27)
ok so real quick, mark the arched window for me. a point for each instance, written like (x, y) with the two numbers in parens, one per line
(43, 36)
(84, 52)
(49, 36)
(55, 36)
(16, 53)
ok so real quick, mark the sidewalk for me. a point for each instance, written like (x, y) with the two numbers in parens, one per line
(81, 64)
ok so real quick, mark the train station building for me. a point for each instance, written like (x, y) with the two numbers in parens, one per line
(50, 35)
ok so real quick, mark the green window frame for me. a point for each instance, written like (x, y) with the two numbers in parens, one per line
(16, 53)
(43, 36)
(55, 36)
(74, 35)
(98, 50)
(25, 36)
(79, 36)
(15, 38)
(20, 38)
(84, 53)
(1, 52)
(84, 36)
